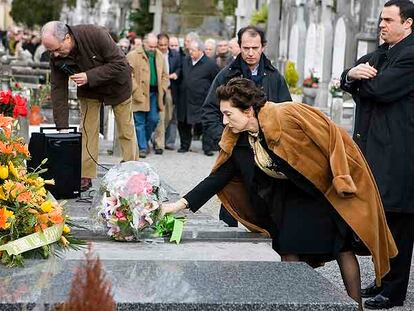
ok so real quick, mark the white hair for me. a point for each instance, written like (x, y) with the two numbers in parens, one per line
(199, 44)
(210, 41)
(55, 28)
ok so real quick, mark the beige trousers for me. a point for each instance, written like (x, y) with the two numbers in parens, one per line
(89, 126)
(165, 118)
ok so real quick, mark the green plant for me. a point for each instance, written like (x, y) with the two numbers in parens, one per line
(35, 12)
(260, 16)
(141, 19)
(292, 78)
(229, 6)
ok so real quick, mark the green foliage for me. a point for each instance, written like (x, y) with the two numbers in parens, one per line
(35, 12)
(165, 226)
(71, 3)
(260, 16)
(141, 20)
(292, 78)
(229, 7)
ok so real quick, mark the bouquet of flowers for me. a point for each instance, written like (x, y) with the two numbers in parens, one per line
(312, 80)
(335, 87)
(12, 105)
(129, 203)
(32, 223)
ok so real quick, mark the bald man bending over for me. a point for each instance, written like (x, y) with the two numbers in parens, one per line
(87, 55)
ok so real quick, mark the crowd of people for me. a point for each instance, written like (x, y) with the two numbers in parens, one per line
(24, 44)
(179, 80)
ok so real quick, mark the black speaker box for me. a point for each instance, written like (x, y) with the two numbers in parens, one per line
(64, 152)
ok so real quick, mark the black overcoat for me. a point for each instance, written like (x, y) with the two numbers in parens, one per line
(174, 61)
(195, 83)
(384, 122)
(274, 85)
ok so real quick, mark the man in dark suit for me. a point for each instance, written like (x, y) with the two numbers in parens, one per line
(382, 86)
(166, 131)
(198, 73)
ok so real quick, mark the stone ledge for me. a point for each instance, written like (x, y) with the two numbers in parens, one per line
(183, 285)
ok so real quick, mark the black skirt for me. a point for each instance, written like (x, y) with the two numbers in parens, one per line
(303, 222)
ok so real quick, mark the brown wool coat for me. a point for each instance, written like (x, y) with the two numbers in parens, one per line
(108, 71)
(139, 62)
(327, 156)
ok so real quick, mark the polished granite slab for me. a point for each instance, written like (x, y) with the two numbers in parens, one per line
(180, 285)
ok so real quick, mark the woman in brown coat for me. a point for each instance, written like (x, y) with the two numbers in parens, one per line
(287, 171)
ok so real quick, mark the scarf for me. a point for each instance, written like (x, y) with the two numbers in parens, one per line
(262, 158)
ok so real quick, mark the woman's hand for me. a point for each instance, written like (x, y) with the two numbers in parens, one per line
(172, 208)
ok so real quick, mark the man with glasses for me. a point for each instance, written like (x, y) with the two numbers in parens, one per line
(87, 55)
(252, 64)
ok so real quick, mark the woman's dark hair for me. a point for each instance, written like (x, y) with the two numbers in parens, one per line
(243, 94)
(406, 9)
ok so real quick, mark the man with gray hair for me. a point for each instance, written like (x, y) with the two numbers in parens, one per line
(198, 73)
(190, 37)
(210, 47)
(87, 55)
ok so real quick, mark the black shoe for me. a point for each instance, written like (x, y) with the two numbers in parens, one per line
(209, 153)
(371, 291)
(182, 150)
(381, 302)
(159, 151)
(142, 154)
(169, 147)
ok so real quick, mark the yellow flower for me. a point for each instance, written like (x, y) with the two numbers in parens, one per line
(2, 195)
(41, 191)
(8, 186)
(4, 171)
(5, 216)
(13, 170)
(46, 207)
(64, 241)
(66, 229)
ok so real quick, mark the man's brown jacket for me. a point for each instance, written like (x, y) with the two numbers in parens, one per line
(107, 69)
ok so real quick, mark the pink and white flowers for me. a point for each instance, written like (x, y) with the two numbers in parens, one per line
(129, 200)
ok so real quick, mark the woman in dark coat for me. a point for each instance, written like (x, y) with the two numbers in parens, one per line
(287, 171)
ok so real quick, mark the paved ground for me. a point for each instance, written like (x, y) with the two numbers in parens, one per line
(184, 171)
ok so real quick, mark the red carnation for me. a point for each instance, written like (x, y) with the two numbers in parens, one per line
(20, 107)
(6, 97)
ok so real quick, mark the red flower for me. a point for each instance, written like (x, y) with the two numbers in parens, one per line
(20, 107)
(6, 97)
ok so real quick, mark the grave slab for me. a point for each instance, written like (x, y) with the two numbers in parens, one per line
(181, 286)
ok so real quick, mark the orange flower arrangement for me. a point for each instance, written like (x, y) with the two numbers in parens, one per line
(25, 206)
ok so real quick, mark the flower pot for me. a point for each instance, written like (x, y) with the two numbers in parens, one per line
(297, 98)
(35, 117)
(309, 95)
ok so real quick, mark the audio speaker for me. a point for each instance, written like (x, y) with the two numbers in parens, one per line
(64, 152)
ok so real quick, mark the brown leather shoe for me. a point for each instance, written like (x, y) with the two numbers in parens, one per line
(86, 183)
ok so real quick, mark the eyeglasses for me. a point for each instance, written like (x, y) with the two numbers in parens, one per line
(59, 49)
